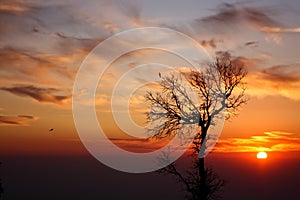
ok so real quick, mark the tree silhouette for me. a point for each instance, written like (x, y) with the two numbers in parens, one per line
(220, 92)
(198, 185)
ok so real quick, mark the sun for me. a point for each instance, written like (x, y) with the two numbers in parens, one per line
(261, 155)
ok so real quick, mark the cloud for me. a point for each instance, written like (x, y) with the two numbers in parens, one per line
(45, 42)
(279, 80)
(251, 64)
(20, 120)
(233, 24)
(282, 73)
(269, 141)
(252, 43)
(13, 6)
(268, 29)
(139, 145)
(131, 9)
(26, 65)
(233, 15)
(40, 94)
(274, 33)
(49, 28)
(209, 43)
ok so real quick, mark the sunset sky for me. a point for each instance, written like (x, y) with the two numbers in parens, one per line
(44, 43)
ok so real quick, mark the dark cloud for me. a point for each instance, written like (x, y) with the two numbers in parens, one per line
(139, 145)
(209, 43)
(224, 54)
(64, 19)
(40, 94)
(282, 73)
(250, 63)
(20, 120)
(231, 14)
(65, 44)
(27, 116)
(252, 43)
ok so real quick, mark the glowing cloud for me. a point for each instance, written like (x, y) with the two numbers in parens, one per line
(270, 141)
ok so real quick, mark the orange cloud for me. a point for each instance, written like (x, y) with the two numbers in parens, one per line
(270, 141)
(20, 120)
(282, 80)
(269, 29)
(15, 7)
(20, 66)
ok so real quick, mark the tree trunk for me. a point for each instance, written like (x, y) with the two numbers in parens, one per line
(201, 166)
(203, 180)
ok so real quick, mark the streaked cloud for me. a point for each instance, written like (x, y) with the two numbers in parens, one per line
(20, 120)
(13, 6)
(269, 29)
(139, 145)
(25, 66)
(269, 141)
(48, 95)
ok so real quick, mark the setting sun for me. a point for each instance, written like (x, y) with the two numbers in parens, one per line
(195, 99)
(262, 155)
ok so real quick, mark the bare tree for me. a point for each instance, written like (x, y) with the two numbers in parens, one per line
(220, 92)
(193, 182)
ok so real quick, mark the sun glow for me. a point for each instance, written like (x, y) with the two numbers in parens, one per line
(261, 155)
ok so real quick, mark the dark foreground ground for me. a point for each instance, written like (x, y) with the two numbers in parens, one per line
(83, 177)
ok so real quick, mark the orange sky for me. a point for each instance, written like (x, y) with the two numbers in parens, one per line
(42, 49)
